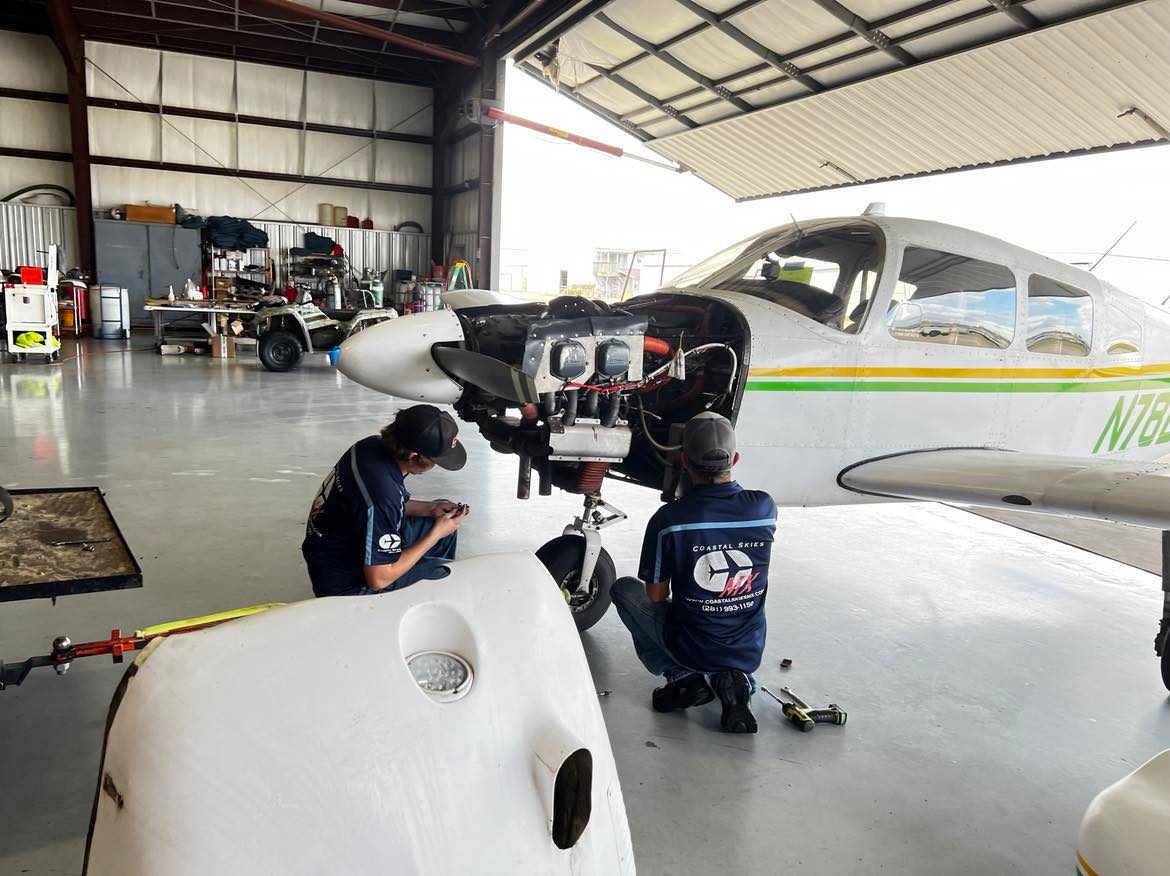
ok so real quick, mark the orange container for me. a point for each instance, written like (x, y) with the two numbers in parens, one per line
(149, 213)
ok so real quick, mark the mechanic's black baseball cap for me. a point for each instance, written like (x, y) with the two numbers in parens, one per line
(709, 443)
(427, 430)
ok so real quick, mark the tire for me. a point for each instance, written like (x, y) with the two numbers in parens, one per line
(280, 350)
(563, 557)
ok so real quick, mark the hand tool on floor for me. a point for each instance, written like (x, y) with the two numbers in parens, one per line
(802, 716)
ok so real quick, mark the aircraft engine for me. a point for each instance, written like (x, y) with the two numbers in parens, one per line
(577, 389)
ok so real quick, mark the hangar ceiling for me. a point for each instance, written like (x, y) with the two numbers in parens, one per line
(771, 97)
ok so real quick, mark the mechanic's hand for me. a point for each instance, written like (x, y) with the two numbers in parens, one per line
(449, 523)
(441, 507)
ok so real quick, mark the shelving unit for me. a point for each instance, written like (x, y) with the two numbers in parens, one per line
(225, 265)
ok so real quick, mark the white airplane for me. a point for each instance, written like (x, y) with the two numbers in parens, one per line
(861, 359)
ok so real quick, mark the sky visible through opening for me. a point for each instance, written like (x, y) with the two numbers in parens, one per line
(561, 201)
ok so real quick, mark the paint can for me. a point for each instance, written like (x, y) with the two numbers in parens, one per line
(324, 214)
(339, 214)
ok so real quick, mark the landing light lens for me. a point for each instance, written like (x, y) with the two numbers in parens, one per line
(443, 676)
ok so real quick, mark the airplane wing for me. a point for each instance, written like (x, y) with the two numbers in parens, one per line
(1120, 491)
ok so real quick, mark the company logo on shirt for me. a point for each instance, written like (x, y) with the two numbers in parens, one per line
(728, 573)
(391, 542)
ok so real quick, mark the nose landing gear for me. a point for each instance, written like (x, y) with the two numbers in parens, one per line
(582, 568)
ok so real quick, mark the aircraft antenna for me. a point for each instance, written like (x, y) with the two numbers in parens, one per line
(1123, 234)
(799, 230)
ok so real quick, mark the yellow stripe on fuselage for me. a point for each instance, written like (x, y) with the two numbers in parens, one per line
(851, 371)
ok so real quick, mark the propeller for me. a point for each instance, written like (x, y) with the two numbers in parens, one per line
(491, 375)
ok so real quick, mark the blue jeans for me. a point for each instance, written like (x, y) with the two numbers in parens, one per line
(430, 567)
(645, 621)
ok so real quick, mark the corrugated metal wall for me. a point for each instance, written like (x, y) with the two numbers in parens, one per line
(153, 76)
(26, 230)
(376, 250)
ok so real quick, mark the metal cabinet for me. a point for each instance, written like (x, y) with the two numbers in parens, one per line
(145, 258)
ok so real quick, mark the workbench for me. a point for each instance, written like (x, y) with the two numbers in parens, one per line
(211, 309)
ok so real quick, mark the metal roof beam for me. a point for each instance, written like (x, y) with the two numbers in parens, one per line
(687, 34)
(644, 95)
(780, 63)
(378, 33)
(590, 105)
(675, 64)
(829, 43)
(867, 31)
(934, 28)
(1016, 13)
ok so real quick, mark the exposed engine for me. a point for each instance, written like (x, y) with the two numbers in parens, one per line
(582, 389)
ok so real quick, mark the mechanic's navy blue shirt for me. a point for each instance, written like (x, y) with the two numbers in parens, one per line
(713, 546)
(356, 519)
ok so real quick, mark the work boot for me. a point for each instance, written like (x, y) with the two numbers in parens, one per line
(690, 690)
(735, 693)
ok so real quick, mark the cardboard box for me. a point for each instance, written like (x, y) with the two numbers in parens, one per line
(221, 342)
(149, 213)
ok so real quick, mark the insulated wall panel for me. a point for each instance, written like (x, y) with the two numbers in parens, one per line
(16, 173)
(340, 100)
(272, 92)
(404, 163)
(198, 83)
(113, 186)
(405, 109)
(34, 124)
(122, 72)
(275, 150)
(124, 134)
(338, 157)
(198, 141)
(30, 62)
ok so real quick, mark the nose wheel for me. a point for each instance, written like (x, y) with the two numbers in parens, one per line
(563, 557)
(580, 566)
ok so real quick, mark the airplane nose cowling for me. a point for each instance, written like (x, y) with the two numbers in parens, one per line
(394, 357)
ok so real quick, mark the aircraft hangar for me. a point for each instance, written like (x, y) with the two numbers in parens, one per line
(238, 236)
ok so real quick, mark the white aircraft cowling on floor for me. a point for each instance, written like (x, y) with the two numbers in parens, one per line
(861, 359)
(451, 729)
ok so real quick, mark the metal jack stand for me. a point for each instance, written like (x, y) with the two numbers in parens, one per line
(597, 515)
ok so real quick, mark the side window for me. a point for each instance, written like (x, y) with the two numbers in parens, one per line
(943, 298)
(1123, 333)
(1060, 318)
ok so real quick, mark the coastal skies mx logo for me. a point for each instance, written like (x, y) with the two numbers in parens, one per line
(728, 573)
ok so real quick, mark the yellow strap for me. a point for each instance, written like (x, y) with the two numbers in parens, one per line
(172, 626)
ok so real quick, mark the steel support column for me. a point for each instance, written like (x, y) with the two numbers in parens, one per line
(491, 88)
(72, 49)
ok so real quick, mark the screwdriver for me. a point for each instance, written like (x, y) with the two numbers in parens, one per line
(803, 717)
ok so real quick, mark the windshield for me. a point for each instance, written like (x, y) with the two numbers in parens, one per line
(829, 275)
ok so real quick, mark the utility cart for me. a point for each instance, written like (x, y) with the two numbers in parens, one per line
(31, 309)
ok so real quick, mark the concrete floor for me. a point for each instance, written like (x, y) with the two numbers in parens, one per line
(995, 680)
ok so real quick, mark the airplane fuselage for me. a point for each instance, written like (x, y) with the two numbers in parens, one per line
(818, 400)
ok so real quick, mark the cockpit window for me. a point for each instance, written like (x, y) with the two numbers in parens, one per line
(829, 275)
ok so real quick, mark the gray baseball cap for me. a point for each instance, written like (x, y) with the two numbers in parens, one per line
(709, 443)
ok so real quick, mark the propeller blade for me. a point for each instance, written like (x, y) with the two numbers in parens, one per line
(491, 375)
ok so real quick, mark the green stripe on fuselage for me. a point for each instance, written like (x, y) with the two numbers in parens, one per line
(766, 385)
